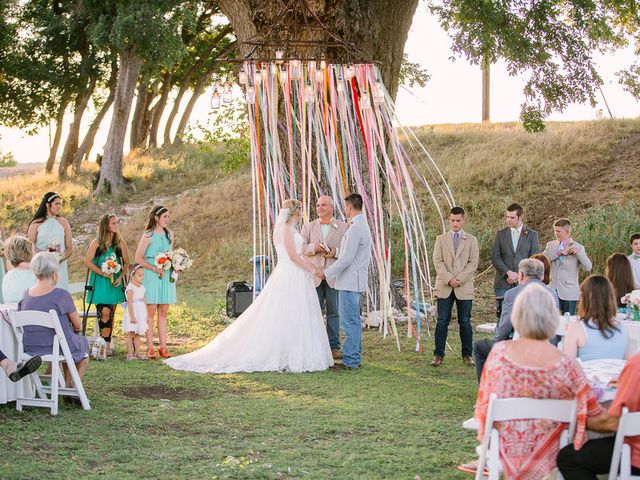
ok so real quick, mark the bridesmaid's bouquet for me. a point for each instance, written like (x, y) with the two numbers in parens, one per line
(181, 262)
(55, 248)
(111, 266)
(163, 261)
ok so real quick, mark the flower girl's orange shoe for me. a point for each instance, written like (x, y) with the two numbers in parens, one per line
(151, 354)
(164, 353)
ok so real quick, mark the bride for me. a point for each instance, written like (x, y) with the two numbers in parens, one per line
(282, 330)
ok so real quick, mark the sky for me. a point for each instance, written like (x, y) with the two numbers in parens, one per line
(452, 95)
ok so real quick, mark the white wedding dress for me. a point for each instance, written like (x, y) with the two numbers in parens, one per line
(282, 330)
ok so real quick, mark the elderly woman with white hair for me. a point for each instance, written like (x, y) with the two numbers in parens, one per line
(19, 251)
(532, 367)
(44, 296)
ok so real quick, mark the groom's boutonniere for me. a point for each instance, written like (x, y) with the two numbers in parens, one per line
(525, 233)
(334, 225)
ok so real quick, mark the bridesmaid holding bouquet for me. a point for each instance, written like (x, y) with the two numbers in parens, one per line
(49, 232)
(156, 241)
(107, 292)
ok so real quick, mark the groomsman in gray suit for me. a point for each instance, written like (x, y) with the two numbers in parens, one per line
(350, 274)
(322, 239)
(566, 256)
(511, 245)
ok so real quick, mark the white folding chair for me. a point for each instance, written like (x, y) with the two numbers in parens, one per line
(504, 409)
(633, 330)
(56, 385)
(628, 426)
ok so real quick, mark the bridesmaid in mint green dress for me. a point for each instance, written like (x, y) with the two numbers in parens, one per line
(160, 291)
(107, 290)
(50, 232)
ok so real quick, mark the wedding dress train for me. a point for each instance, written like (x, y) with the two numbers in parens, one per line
(282, 330)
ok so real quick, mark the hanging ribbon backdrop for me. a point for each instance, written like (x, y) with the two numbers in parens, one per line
(330, 129)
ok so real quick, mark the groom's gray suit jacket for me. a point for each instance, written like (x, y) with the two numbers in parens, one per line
(351, 270)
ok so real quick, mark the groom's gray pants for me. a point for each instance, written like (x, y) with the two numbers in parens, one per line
(329, 296)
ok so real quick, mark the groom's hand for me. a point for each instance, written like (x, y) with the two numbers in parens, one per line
(331, 253)
(319, 248)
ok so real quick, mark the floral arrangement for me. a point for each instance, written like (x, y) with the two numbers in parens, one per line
(55, 248)
(163, 261)
(111, 266)
(632, 300)
(181, 262)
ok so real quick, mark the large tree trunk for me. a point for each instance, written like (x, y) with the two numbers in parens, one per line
(158, 109)
(73, 138)
(379, 28)
(87, 143)
(138, 113)
(186, 82)
(111, 178)
(53, 151)
(197, 92)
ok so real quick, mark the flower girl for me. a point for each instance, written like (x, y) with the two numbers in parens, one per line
(134, 322)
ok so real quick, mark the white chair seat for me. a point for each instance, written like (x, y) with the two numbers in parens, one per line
(628, 426)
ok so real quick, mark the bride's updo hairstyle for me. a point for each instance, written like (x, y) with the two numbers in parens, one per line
(294, 206)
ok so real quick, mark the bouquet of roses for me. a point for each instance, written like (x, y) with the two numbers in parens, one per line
(180, 262)
(163, 261)
(55, 248)
(111, 266)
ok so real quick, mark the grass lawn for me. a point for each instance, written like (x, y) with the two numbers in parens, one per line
(396, 418)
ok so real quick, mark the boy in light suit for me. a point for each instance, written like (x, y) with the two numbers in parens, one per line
(566, 256)
(455, 257)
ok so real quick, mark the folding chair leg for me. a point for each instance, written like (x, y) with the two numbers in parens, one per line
(494, 456)
(55, 378)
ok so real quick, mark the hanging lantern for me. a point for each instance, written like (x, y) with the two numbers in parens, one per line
(365, 101)
(296, 70)
(227, 94)
(250, 95)
(279, 56)
(242, 77)
(215, 99)
(284, 75)
(308, 93)
(323, 63)
(258, 76)
(348, 72)
(319, 75)
(340, 88)
(378, 93)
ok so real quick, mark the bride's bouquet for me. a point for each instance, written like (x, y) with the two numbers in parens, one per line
(55, 248)
(163, 261)
(181, 262)
(111, 266)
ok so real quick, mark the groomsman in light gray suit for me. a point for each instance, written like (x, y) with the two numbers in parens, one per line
(350, 274)
(566, 256)
(322, 239)
(511, 245)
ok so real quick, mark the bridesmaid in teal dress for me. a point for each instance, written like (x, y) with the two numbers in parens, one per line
(50, 232)
(160, 292)
(107, 290)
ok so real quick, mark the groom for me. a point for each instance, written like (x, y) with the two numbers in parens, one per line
(350, 274)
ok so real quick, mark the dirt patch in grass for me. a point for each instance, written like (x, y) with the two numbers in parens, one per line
(160, 392)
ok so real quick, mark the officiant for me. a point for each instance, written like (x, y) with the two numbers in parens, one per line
(322, 239)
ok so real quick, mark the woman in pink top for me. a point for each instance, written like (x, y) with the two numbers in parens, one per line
(532, 367)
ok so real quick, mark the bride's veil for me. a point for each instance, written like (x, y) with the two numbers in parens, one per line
(281, 221)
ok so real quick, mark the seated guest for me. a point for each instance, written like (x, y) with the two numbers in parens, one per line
(532, 367)
(595, 456)
(618, 270)
(530, 271)
(597, 335)
(44, 296)
(18, 251)
(16, 371)
(547, 267)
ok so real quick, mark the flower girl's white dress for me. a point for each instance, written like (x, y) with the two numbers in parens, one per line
(282, 330)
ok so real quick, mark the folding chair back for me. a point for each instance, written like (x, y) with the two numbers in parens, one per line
(633, 329)
(60, 352)
(628, 426)
(505, 409)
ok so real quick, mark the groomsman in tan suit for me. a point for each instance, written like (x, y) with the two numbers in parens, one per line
(455, 257)
(322, 239)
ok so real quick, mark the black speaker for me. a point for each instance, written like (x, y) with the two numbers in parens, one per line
(239, 297)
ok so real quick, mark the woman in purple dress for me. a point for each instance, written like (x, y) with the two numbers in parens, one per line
(44, 296)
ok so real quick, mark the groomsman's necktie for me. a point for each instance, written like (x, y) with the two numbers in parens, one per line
(514, 238)
(636, 257)
(456, 241)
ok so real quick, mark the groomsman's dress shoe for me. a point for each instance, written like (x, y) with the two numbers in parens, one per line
(341, 366)
(467, 360)
(336, 354)
(437, 361)
(26, 368)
